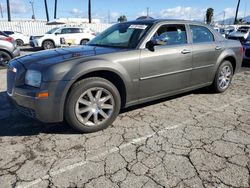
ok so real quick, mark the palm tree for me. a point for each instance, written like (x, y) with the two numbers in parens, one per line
(89, 11)
(209, 15)
(236, 14)
(122, 18)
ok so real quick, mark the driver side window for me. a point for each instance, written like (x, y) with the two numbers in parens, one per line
(170, 35)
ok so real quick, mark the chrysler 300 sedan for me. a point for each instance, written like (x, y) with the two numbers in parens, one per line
(129, 63)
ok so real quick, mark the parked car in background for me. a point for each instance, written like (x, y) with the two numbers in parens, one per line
(221, 31)
(71, 35)
(246, 46)
(20, 38)
(8, 49)
(241, 34)
(128, 64)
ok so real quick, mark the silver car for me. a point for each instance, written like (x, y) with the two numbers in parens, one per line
(128, 64)
(8, 49)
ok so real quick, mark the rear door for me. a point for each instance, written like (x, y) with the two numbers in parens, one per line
(206, 51)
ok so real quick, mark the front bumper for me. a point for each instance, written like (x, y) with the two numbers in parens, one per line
(16, 52)
(48, 110)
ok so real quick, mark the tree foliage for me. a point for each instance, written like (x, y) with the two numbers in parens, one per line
(209, 15)
(122, 18)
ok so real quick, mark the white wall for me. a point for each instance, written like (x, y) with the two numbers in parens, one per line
(38, 27)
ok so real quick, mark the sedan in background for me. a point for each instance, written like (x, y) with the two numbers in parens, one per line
(8, 49)
(246, 46)
(19, 37)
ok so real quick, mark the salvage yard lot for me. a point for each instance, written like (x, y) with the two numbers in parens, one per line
(198, 139)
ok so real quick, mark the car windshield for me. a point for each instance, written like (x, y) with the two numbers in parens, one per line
(52, 30)
(123, 35)
(243, 29)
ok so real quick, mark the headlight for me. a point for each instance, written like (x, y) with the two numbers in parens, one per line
(33, 78)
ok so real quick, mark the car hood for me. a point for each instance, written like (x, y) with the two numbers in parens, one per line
(51, 57)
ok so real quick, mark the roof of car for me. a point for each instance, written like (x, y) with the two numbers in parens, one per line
(154, 21)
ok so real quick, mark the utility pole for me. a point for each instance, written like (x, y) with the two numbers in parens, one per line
(33, 11)
(224, 15)
(89, 11)
(46, 9)
(147, 12)
(55, 9)
(236, 14)
(1, 10)
(108, 16)
(8, 10)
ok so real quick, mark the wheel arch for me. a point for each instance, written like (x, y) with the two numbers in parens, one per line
(4, 50)
(48, 40)
(109, 75)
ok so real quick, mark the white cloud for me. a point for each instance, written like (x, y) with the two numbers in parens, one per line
(229, 13)
(76, 12)
(184, 13)
(16, 7)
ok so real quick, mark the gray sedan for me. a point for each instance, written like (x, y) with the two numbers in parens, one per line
(8, 49)
(128, 64)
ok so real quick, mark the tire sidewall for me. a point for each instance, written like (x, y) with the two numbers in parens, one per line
(19, 42)
(51, 44)
(77, 90)
(9, 58)
(216, 81)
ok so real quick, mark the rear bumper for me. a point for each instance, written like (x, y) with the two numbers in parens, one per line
(48, 110)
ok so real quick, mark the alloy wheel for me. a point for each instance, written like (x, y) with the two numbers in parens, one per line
(94, 106)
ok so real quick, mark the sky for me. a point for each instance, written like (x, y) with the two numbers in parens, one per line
(172, 9)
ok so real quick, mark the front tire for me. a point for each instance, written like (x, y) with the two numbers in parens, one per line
(92, 105)
(48, 44)
(223, 77)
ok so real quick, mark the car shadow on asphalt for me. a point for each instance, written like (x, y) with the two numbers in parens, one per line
(30, 49)
(13, 123)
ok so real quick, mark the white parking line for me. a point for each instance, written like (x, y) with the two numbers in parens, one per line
(116, 149)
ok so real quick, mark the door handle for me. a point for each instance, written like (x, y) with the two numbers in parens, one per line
(185, 51)
(218, 48)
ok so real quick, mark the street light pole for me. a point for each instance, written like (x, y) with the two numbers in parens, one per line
(236, 14)
(33, 11)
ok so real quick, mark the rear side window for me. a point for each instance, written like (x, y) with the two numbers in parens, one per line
(170, 35)
(9, 32)
(201, 34)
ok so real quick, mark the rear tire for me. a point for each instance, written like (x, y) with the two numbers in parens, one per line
(48, 44)
(4, 58)
(84, 41)
(223, 77)
(92, 105)
(19, 42)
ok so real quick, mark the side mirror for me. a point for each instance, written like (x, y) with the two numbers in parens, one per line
(150, 45)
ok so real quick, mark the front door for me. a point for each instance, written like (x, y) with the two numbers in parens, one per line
(167, 68)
